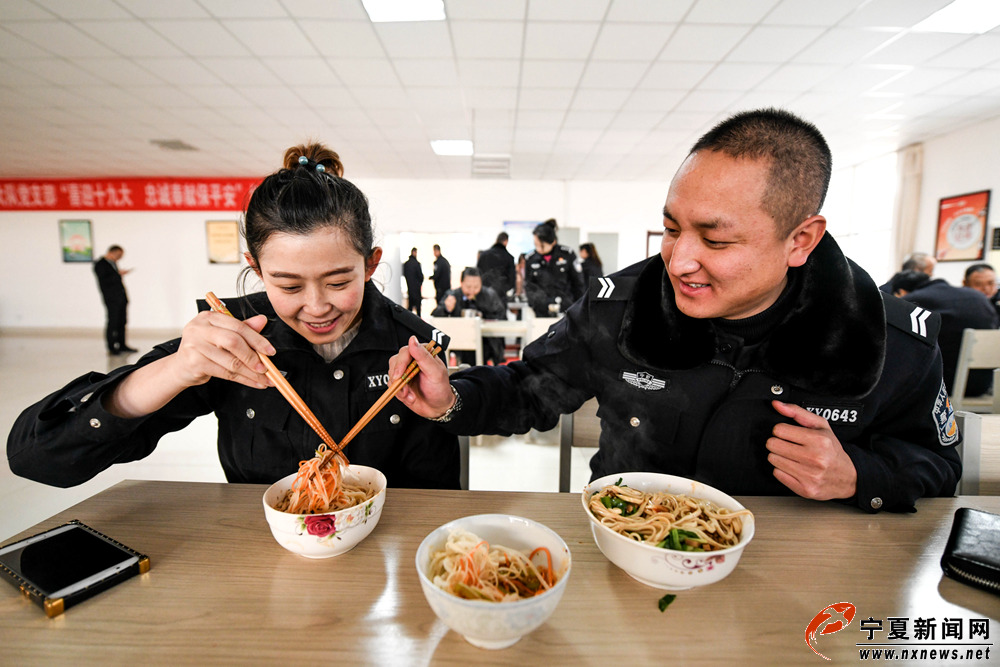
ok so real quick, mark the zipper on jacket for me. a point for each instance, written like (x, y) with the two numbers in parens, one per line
(737, 374)
(982, 581)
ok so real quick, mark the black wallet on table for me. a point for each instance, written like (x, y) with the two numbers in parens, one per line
(972, 554)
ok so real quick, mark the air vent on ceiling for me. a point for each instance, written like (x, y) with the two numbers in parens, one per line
(172, 145)
(491, 166)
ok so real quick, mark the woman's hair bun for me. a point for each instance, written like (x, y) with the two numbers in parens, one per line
(551, 222)
(315, 154)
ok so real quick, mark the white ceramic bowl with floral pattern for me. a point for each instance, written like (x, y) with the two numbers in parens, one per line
(666, 568)
(332, 533)
(495, 625)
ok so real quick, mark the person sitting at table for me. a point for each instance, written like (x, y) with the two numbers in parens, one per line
(320, 318)
(471, 294)
(751, 355)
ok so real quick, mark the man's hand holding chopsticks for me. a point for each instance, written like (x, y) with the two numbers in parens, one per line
(429, 393)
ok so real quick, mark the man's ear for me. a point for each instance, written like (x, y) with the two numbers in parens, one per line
(372, 262)
(804, 239)
(252, 264)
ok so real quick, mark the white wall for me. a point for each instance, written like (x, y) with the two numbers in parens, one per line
(169, 255)
(859, 213)
(967, 160)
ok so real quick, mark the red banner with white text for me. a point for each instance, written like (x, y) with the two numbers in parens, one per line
(127, 194)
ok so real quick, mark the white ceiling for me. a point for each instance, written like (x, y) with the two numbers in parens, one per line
(570, 89)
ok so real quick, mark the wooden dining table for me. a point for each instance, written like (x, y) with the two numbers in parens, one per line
(220, 590)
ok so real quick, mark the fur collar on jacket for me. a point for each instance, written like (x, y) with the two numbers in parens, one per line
(832, 342)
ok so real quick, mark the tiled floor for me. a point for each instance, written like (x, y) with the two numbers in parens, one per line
(31, 366)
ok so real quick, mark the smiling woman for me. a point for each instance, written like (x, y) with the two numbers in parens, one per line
(320, 319)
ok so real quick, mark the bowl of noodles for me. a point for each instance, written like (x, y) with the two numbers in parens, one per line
(493, 578)
(320, 517)
(665, 531)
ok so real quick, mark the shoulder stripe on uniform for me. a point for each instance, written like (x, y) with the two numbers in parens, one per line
(607, 287)
(918, 321)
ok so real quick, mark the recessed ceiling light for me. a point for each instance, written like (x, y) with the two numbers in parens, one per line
(968, 17)
(172, 144)
(452, 147)
(390, 11)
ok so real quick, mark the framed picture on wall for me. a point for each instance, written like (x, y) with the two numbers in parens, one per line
(961, 233)
(223, 239)
(76, 241)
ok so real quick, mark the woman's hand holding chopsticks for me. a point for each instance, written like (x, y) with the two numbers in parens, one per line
(428, 394)
(212, 345)
(219, 345)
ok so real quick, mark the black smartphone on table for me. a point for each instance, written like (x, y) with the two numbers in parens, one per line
(65, 565)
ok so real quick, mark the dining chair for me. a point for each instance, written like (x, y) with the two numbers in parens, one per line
(980, 452)
(578, 429)
(980, 349)
(465, 333)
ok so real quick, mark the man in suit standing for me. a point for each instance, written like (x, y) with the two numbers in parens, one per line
(441, 276)
(109, 279)
(414, 276)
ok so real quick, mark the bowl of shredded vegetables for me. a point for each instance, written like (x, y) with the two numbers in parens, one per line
(325, 514)
(667, 532)
(493, 578)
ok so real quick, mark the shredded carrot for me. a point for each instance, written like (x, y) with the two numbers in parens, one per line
(319, 487)
(547, 572)
(472, 568)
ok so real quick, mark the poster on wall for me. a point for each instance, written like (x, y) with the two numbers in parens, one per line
(223, 238)
(75, 240)
(962, 227)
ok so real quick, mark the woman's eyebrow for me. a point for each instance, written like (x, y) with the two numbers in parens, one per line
(332, 272)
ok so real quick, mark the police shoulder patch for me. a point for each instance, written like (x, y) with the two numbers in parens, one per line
(606, 288)
(915, 320)
(944, 418)
(421, 329)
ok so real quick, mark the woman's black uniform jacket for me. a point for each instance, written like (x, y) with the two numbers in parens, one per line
(558, 277)
(677, 397)
(68, 437)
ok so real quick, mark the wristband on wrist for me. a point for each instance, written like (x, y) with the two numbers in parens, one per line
(455, 407)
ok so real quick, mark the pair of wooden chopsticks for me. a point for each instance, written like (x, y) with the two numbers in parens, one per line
(390, 393)
(284, 388)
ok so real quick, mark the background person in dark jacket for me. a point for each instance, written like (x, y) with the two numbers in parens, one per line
(472, 294)
(414, 276)
(591, 265)
(441, 276)
(496, 266)
(751, 355)
(109, 280)
(551, 279)
(982, 278)
(960, 308)
(904, 282)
